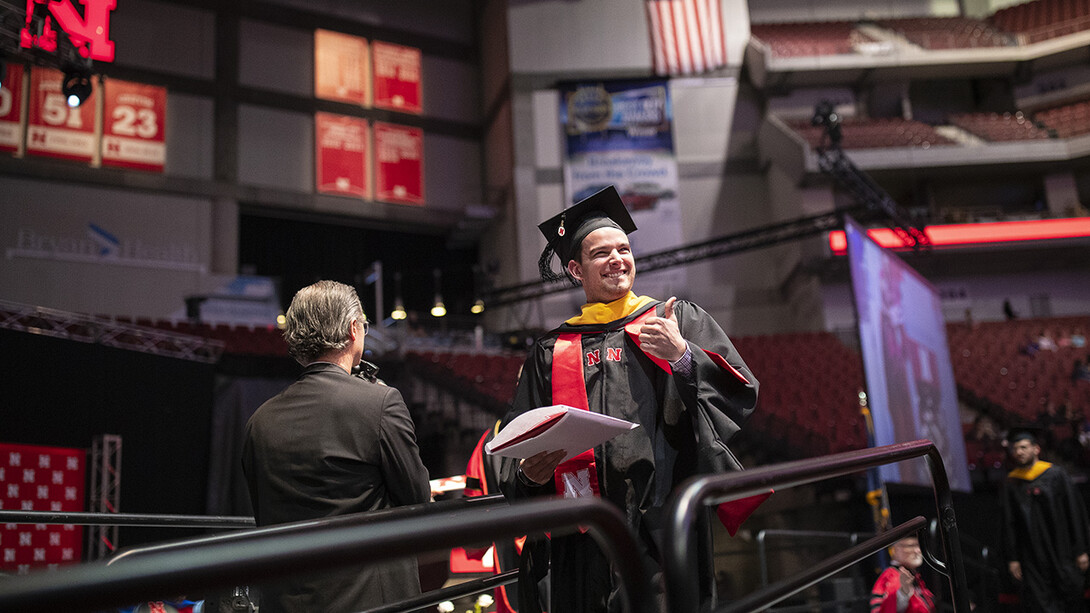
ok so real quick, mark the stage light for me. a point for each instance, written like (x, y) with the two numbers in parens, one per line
(439, 310)
(399, 305)
(399, 311)
(477, 308)
(76, 87)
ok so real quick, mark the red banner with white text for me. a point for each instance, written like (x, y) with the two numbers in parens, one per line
(55, 129)
(399, 164)
(134, 118)
(11, 108)
(341, 154)
(34, 478)
(397, 77)
(341, 68)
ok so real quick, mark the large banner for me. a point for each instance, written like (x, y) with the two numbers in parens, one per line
(906, 360)
(620, 133)
(399, 164)
(55, 129)
(397, 77)
(341, 154)
(34, 478)
(11, 108)
(133, 135)
(341, 68)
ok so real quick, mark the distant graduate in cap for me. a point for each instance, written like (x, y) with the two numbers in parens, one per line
(1022, 434)
(565, 232)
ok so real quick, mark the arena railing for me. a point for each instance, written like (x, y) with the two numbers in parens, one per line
(264, 554)
(686, 506)
(474, 586)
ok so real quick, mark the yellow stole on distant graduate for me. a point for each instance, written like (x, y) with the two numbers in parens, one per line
(1031, 473)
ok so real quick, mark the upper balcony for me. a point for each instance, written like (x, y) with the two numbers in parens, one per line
(790, 55)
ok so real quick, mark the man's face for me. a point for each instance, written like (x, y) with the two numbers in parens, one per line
(605, 265)
(1025, 452)
(907, 553)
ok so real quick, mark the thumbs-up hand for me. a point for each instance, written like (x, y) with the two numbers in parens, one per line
(660, 337)
(668, 310)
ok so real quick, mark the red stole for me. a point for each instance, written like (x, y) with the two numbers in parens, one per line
(578, 476)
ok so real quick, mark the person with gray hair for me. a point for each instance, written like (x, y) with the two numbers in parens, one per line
(333, 444)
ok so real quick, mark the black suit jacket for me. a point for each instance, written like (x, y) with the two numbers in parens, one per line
(332, 444)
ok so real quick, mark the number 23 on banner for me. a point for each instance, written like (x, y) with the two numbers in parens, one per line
(133, 134)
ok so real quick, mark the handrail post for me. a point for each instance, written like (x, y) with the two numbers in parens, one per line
(679, 566)
(948, 528)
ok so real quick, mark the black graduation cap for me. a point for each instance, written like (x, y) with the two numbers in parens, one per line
(565, 232)
(1023, 433)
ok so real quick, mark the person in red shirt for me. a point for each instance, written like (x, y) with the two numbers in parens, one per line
(900, 588)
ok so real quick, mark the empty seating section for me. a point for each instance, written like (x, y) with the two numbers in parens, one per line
(1000, 126)
(488, 377)
(875, 133)
(239, 339)
(809, 392)
(1024, 23)
(808, 402)
(809, 39)
(947, 32)
(1043, 19)
(996, 368)
(1067, 120)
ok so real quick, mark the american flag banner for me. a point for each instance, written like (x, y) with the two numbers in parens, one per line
(687, 36)
(34, 478)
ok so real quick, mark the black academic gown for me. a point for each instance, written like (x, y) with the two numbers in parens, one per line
(685, 425)
(333, 444)
(1045, 530)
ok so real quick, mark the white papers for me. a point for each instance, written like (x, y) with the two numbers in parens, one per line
(555, 427)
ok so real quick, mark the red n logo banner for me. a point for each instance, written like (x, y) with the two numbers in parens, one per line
(90, 32)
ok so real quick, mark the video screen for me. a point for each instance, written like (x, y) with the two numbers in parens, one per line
(906, 360)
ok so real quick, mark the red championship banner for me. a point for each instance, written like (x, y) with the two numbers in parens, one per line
(397, 77)
(11, 107)
(133, 121)
(341, 145)
(34, 478)
(399, 164)
(341, 68)
(53, 128)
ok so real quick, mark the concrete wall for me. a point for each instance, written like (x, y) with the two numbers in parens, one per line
(148, 252)
(192, 203)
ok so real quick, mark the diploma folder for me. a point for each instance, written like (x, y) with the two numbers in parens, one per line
(555, 427)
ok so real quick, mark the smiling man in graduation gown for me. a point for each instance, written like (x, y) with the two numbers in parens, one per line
(666, 366)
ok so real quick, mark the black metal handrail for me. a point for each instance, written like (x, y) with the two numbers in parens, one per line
(785, 588)
(679, 561)
(256, 534)
(321, 546)
(762, 554)
(127, 519)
